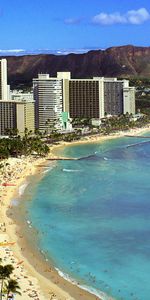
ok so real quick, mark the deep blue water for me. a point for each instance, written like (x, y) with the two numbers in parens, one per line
(93, 216)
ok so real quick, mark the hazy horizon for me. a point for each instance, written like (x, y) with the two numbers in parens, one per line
(19, 52)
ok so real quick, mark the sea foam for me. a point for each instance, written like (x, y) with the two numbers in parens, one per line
(70, 170)
(90, 290)
(22, 188)
(48, 169)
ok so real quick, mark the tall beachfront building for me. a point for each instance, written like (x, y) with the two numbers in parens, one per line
(85, 98)
(48, 96)
(16, 110)
(17, 114)
(4, 88)
(129, 99)
(7, 116)
(94, 98)
(80, 98)
(25, 111)
(97, 97)
(119, 97)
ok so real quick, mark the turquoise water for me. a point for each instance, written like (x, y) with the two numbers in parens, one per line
(93, 216)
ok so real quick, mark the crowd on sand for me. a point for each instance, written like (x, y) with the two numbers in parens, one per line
(13, 172)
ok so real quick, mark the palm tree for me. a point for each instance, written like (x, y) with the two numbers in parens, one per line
(38, 133)
(12, 287)
(12, 132)
(4, 153)
(5, 272)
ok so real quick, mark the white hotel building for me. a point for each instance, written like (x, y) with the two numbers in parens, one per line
(4, 87)
(48, 96)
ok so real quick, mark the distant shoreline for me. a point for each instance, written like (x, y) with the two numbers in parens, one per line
(48, 281)
(97, 139)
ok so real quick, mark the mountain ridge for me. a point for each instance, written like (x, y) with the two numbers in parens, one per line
(121, 61)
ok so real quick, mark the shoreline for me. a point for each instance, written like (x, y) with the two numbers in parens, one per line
(32, 272)
(48, 283)
(97, 139)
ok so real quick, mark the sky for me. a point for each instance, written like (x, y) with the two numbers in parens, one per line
(73, 24)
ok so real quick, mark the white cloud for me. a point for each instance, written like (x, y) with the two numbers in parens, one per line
(135, 17)
(138, 16)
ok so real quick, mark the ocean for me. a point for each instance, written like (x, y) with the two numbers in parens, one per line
(92, 216)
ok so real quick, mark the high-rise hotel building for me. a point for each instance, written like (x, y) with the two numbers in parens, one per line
(7, 116)
(16, 111)
(4, 88)
(84, 98)
(81, 98)
(48, 96)
(94, 98)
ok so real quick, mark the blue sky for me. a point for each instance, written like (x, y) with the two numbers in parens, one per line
(66, 24)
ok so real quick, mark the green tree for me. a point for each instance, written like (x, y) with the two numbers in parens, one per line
(5, 272)
(12, 287)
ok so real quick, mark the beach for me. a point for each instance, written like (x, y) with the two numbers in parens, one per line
(97, 139)
(36, 278)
